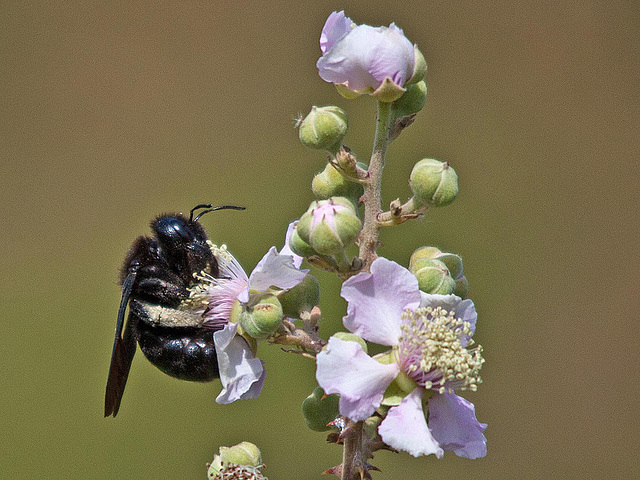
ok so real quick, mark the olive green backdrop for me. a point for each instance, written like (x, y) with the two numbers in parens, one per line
(113, 112)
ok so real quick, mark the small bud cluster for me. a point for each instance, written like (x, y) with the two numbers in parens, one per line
(438, 272)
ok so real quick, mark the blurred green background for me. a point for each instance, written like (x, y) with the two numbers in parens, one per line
(113, 112)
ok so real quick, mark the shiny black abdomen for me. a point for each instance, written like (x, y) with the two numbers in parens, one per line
(186, 353)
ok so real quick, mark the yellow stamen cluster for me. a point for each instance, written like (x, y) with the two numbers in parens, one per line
(432, 354)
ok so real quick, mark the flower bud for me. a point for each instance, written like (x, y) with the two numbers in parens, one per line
(331, 183)
(323, 128)
(351, 337)
(299, 246)
(301, 298)
(411, 101)
(423, 252)
(451, 260)
(320, 409)
(261, 317)
(329, 226)
(434, 182)
(433, 276)
(243, 454)
(462, 287)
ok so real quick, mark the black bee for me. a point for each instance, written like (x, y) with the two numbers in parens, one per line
(156, 276)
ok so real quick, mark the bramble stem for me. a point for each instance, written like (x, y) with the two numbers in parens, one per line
(353, 456)
(372, 197)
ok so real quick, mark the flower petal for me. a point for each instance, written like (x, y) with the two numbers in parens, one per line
(464, 309)
(405, 427)
(275, 269)
(344, 368)
(286, 250)
(241, 374)
(364, 57)
(452, 420)
(377, 299)
(335, 27)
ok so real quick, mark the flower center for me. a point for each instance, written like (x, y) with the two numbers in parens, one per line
(431, 352)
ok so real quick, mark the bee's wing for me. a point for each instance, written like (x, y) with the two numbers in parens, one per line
(124, 348)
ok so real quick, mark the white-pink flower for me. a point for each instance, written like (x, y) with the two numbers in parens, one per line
(360, 57)
(242, 374)
(429, 336)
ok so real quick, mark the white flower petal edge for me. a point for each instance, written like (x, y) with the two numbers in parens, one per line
(344, 368)
(453, 422)
(241, 374)
(377, 299)
(405, 428)
(275, 269)
(286, 250)
(334, 28)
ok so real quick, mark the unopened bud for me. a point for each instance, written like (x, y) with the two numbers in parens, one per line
(324, 128)
(301, 298)
(411, 101)
(261, 318)
(434, 182)
(419, 67)
(329, 226)
(319, 409)
(451, 260)
(433, 276)
(462, 287)
(331, 183)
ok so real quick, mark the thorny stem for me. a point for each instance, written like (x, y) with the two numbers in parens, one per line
(353, 455)
(372, 188)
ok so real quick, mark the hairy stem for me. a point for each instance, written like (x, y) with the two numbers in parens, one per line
(353, 456)
(373, 187)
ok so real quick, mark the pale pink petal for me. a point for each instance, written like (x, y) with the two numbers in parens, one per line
(405, 427)
(453, 422)
(241, 374)
(344, 368)
(377, 299)
(275, 270)
(334, 28)
(367, 55)
(286, 250)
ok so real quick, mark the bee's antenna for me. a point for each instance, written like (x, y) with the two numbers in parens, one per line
(202, 205)
(221, 207)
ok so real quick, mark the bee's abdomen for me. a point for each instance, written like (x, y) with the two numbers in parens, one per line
(184, 353)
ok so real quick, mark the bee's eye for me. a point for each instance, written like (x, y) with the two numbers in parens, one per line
(174, 229)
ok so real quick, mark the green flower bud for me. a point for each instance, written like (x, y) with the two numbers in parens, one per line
(434, 182)
(451, 260)
(318, 410)
(423, 252)
(462, 287)
(299, 246)
(351, 337)
(243, 454)
(301, 298)
(433, 276)
(453, 263)
(262, 317)
(412, 101)
(331, 183)
(329, 226)
(324, 128)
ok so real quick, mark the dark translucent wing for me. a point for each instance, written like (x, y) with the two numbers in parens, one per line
(124, 348)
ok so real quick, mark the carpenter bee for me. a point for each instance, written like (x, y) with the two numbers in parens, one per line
(156, 278)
